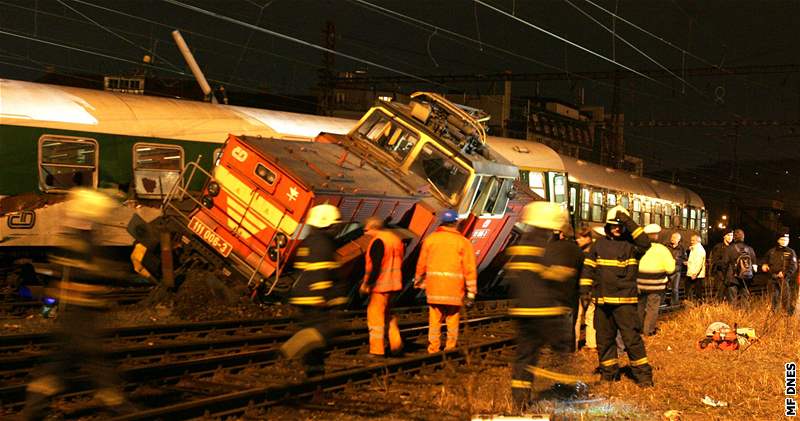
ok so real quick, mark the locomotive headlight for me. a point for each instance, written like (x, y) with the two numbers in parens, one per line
(272, 253)
(512, 193)
(207, 202)
(280, 240)
(213, 189)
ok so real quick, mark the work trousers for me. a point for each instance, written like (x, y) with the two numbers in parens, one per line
(379, 318)
(783, 294)
(79, 347)
(694, 288)
(533, 334)
(438, 313)
(649, 302)
(736, 290)
(586, 317)
(623, 318)
(675, 284)
(320, 326)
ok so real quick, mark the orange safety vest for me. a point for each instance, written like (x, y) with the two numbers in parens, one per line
(391, 277)
(447, 260)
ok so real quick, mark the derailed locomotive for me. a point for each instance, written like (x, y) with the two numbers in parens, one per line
(401, 162)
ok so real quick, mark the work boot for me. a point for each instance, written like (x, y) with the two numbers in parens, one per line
(645, 384)
(571, 392)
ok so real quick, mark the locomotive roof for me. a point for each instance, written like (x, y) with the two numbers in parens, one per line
(61, 107)
(321, 167)
(533, 155)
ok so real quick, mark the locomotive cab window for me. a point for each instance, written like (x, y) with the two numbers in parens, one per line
(492, 195)
(67, 162)
(443, 173)
(387, 134)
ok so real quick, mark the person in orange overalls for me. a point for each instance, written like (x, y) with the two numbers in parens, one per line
(445, 267)
(382, 279)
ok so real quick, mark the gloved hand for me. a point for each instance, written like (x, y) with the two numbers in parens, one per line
(364, 289)
(469, 300)
(586, 299)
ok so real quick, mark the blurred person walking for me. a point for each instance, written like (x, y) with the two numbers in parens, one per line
(584, 240)
(609, 274)
(654, 268)
(781, 264)
(543, 273)
(695, 269)
(383, 278)
(446, 270)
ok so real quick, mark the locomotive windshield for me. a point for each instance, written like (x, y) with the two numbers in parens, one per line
(387, 134)
(447, 176)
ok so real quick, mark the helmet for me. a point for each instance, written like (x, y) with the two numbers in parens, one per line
(652, 229)
(448, 216)
(613, 212)
(323, 216)
(716, 327)
(545, 215)
(88, 204)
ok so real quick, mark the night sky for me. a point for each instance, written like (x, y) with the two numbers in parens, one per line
(723, 33)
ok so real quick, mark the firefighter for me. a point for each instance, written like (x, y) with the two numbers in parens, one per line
(445, 267)
(609, 275)
(543, 273)
(86, 274)
(318, 292)
(383, 277)
(654, 269)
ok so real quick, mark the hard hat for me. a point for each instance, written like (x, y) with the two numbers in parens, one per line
(323, 216)
(652, 229)
(448, 216)
(716, 327)
(89, 204)
(613, 212)
(545, 215)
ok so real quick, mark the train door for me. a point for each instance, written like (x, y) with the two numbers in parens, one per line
(573, 205)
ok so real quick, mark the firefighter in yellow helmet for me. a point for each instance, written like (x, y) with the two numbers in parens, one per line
(383, 277)
(609, 276)
(85, 276)
(318, 290)
(543, 272)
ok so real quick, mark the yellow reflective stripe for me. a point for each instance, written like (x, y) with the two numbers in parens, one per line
(558, 273)
(609, 363)
(446, 274)
(617, 263)
(617, 300)
(316, 265)
(307, 300)
(303, 252)
(538, 311)
(590, 262)
(520, 384)
(533, 267)
(320, 285)
(337, 301)
(525, 251)
(640, 361)
(637, 232)
(586, 282)
(559, 377)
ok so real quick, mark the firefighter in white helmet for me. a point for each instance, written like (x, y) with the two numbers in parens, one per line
(85, 276)
(543, 272)
(318, 290)
(609, 275)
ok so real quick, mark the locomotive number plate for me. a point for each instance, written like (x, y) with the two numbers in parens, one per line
(209, 236)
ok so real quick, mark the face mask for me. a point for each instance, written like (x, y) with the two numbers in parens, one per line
(783, 241)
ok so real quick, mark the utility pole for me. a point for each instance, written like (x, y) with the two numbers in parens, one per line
(326, 74)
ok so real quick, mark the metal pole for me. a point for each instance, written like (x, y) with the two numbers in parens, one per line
(193, 66)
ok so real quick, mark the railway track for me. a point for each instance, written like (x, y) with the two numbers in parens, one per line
(12, 306)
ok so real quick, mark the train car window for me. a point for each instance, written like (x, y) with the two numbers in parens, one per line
(657, 214)
(536, 183)
(446, 175)
(217, 155)
(667, 216)
(647, 212)
(597, 206)
(67, 162)
(693, 219)
(558, 187)
(684, 217)
(573, 199)
(637, 211)
(157, 157)
(585, 204)
(612, 199)
(625, 201)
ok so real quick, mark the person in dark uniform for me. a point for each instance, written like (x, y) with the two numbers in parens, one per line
(739, 260)
(718, 269)
(609, 275)
(86, 274)
(318, 291)
(781, 264)
(543, 273)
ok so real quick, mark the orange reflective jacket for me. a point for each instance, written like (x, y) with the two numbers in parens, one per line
(447, 261)
(391, 277)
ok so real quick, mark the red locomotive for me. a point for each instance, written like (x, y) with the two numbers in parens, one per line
(401, 162)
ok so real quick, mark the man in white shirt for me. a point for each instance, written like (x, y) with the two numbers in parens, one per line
(696, 268)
